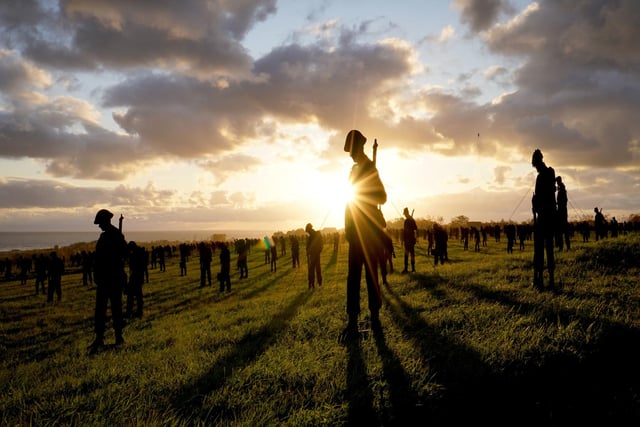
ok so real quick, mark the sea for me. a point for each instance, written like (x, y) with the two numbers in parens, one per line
(34, 240)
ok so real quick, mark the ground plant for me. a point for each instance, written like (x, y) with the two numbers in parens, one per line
(467, 341)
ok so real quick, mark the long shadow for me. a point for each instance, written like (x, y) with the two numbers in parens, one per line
(332, 260)
(456, 366)
(188, 400)
(600, 385)
(607, 371)
(360, 410)
(405, 404)
(258, 290)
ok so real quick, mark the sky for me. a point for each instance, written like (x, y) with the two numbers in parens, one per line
(232, 114)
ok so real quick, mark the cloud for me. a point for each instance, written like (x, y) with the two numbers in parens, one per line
(191, 35)
(481, 14)
(446, 34)
(180, 85)
(578, 86)
(18, 75)
(234, 163)
(44, 194)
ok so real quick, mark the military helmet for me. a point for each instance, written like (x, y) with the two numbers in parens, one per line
(536, 157)
(354, 138)
(103, 216)
(308, 228)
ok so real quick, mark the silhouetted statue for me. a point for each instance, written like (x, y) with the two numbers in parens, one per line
(110, 278)
(224, 277)
(206, 256)
(41, 272)
(430, 242)
(295, 251)
(388, 254)
(184, 256)
(86, 260)
(544, 220)
(440, 251)
(476, 239)
(273, 255)
(267, 250)
(136, 279)
(56, 269)
(600, 224)
(363, 227)
(314, 249)
(409, 241)
(563, 236)
(243, 248)
(510, 232)
(613, 226)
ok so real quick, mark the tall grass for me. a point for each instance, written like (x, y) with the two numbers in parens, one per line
(467, 341)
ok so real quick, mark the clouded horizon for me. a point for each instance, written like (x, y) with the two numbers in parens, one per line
(232, 115)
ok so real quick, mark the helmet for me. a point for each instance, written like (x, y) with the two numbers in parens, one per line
(103, 216)
(354, 139)
(537, 157)
(308, 228)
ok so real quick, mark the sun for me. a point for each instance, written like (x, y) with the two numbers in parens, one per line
(329, 194)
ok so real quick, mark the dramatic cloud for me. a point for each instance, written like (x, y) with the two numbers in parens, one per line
(20, 193)
(482, 14)
(107, 91)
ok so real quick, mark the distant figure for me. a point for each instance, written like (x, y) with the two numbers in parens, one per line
(363, 228)
(544, 220)
(314, 249)
(41, 272)
(267, 250)
(476, 239)
(110, 278)
(23, 265)
(224, 277)
(274, 255)
(295, 251)
(161, 258)
(510, 232)
(184, 256)
(388, 253)
(56, 268)
(563, 236)
(242, 259)
(86, 259)
(522, 235)
(206, 256)
(600, 224)
(136, 279)
(409, 241)
(440, 251)
(613, 225)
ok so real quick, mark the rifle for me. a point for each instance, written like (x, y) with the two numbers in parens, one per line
(120, 223)
(375, 151)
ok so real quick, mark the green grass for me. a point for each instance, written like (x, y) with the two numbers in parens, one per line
(467, 341)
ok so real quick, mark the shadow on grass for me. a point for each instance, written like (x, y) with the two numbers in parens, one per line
(277, 277)
(188, 400)
(457, 366)
(600, 384)
(358, 392)
(404, 405)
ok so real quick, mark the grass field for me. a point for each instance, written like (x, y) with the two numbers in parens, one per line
(470, 341)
